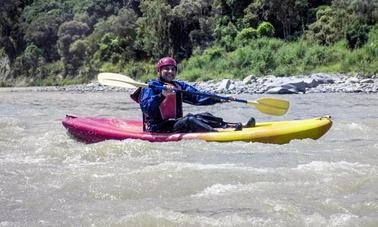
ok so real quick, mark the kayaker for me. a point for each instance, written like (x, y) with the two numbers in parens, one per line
(162, 109)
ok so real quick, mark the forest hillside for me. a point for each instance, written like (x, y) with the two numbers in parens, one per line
(58, 42)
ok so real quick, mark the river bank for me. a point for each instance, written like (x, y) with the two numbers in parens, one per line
(313, 83)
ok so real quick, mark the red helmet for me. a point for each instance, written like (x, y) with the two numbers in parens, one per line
(165, 61)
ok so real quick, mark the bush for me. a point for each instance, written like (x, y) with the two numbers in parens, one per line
(245, 36)
(265, 29)
(356, 34)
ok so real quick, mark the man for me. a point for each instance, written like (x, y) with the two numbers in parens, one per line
(162, 108)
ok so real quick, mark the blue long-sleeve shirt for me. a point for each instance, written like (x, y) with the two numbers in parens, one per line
(151, 98)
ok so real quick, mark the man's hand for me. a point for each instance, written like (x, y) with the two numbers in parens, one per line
(230, 98)
(168, 89)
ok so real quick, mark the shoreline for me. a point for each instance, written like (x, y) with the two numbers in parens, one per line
(313, 83)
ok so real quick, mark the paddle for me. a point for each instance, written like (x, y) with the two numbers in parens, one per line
(271, 106)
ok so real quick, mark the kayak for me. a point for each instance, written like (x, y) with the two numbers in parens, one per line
(95, 129)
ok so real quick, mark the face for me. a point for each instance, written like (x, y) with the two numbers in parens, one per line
(168, 72)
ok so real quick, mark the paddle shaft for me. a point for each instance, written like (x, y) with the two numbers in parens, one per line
(201, 93)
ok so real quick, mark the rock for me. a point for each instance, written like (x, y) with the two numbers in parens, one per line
(5, 68)
(249, 79)
(93, 84)
(224, 85)
(322, 78)
(302, 84)
(364, 81)
(352, 80)
(285, 89)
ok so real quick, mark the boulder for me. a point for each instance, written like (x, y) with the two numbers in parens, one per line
(302, 84)
(249, 79)
(284, 89)
(352, 80)
(224, 85)
(367, 81)
(322, 78)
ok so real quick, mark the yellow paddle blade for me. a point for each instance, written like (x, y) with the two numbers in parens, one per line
(271, 106)
(118, 80)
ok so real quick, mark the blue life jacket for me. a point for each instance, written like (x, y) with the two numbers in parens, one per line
(158, 109)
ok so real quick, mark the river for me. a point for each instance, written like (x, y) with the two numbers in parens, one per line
(49, 179)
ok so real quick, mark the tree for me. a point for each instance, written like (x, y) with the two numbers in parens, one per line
(225, 35)
(189, 26)
(68, 33)
(356, 34)
(234, 9)
(152, 28)
(95, 10)
(29, 63)
(289, 13)
(43, 32)
(203, 36)
(41, 21)
(325, 30)
(10, 34)
(287, 16)
(362, 10)
(79, 53)
(253, 14)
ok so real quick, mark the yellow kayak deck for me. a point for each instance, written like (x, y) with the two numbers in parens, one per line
(279, 132)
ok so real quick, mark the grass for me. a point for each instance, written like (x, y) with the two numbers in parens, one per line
(267, 56)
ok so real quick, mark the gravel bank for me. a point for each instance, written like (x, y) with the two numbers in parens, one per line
(314, 83)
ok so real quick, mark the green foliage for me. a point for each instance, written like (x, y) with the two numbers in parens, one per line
(111, 47)
(43, 8)
(91, 12)
(41, 21)
(251, 14)
(356, 34)
(139, 70)
(288, 15)
(245, 36)
(326, 29)
(79, 52)
(225, 35)
(190, 25)
(365, 59)
(68, 33)
(344, 18)
(30, 62)
(267, 56)
(211, 39)
(361, 10)
(265, 29)
(152, 28)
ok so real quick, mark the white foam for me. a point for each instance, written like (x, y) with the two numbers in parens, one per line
(315, 220)
(356, 126)
(218, 189)
(342, 219)
(322, 166)
(109, 175)
(229, 189)
(163, 217)
(181, 166)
